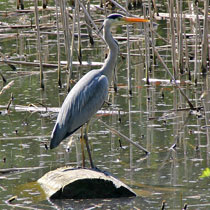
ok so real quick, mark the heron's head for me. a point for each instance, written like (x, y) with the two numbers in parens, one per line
(118, 19)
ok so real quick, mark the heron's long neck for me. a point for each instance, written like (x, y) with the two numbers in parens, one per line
(111, 60)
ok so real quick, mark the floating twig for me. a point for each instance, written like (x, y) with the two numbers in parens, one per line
(163, 205)
(185, 206)
(10, 200)
(6, 87)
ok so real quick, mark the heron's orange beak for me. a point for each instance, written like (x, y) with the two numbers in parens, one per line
(134, 20)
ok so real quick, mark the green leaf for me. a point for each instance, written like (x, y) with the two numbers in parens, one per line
(205, 173)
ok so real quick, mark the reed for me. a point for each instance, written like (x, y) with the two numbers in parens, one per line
(180, 35)
(44, 4)
(89, 29)
(65, 25)
(205, 39)
(119, 6)
(39, 44)
(147, 48)
(151, 14)
(58, 45)
(173, 43)
(79, 32)
(90, 19)
(101, 3)
(196, 45)
(187, 68)
(71, 53)
(20, 4)
(128, 54)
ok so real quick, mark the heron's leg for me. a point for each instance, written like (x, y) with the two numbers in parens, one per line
(82, 147)
(87, 145)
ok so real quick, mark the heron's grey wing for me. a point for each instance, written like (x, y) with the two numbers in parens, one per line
(83, 101)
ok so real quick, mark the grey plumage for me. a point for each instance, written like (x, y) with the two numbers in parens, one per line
(89, 94)
(79, 105)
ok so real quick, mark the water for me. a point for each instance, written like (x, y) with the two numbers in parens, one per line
(149, 117)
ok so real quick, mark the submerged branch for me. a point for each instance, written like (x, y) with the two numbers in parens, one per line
(175, 82)
(12, 170)
(125, 137)
(50, 65)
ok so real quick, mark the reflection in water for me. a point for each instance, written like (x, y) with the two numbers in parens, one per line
(95, 203)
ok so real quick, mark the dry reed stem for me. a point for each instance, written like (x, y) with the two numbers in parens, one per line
(121, 7)
(39, 43)
(20, 4)
(205, 39)
(79, 32)
(71, 53)
(186, 51)
(65, 24)
(196, 46)
(147, 53)
(87, 20)
(152, 35)
(180, 36)
(98, 33)
(173, 42)
(44, 4)
(128, 56)
(58, 46)
(10, 101)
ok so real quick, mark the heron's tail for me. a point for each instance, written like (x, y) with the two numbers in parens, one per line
(56, 136)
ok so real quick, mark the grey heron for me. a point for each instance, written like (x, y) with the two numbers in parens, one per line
(90, 92)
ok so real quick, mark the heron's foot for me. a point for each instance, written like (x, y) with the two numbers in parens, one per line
(101, 171)
(107, 103)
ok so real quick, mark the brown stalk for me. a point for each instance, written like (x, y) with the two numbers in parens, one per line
(58, 46)
(39, 43)
(205, 39)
